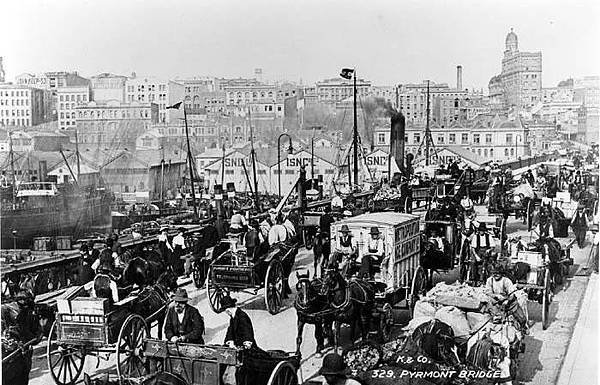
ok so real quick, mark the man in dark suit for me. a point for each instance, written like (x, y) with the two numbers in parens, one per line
(240, 332)
(183, 322)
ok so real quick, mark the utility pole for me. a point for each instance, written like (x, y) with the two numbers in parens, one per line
(355, 139)
(189, 156)
(427, 132)
(77, 153)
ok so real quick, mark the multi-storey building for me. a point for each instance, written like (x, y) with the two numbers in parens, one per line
(107, 86)
(338, 89)
(113, 123)
(68, 99)
(249, 91)
(162, 92)
(521, 76)
(2, 74)
(24, 106)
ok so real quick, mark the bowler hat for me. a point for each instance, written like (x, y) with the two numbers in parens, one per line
(227, 302)
(482, 227)
(345, 229)
(334, 364)
(181, 295)
(375, 230)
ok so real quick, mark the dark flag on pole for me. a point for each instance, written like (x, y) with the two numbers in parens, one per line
(347, 73)
(174, 106)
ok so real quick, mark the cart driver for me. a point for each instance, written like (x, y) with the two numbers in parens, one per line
(436, 240)
(183, 322)
(105, 285)
(373, 251)
(237, 224)
(345, 247)
(502, 288)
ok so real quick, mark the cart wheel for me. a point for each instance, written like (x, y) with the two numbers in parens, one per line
(274, 286)
(198, 274)
(386, 321)
(65, 362)
(130, 349)
(283, 374)
(546, 299)
(214, 293)
(418, 288)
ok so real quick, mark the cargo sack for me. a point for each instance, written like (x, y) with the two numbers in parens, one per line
(455, 318)
(477, 320)
(424, 309)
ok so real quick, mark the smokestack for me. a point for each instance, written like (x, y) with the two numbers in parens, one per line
(459, 78)
(397, 132)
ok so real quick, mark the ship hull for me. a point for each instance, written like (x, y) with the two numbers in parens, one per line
(75, 218)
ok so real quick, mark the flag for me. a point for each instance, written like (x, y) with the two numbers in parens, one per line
(347, 73)
(175, 106)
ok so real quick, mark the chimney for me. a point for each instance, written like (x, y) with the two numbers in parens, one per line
(397, 133)
(459, 78)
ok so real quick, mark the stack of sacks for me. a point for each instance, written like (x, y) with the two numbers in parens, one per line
(457, 290)
(387, 193)
(456, 319)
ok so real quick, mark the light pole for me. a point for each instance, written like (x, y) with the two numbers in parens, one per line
(312, 158)
(14, 234)
(290, 151)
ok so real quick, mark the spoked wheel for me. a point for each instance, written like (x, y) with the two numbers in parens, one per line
(546, 299)
(283, 374)
(418, 288)
(131, 362)
(503, 236)
(65, 362)
(215, 293)
(274, 286)
(386, 321)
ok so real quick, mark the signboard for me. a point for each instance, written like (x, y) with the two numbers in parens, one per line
(236, 275)
(37, 81)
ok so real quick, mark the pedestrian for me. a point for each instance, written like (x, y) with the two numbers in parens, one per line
(177, 254)
(183, 322)
(238, 224)
(335, 371)
(240, 332)
(85, 273)
(164, 247)
(580, 226)
(105, 284)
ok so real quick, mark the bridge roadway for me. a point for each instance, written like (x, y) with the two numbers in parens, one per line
(539, 365)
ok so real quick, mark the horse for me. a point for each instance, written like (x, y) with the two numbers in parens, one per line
(142, 269)
(321, 251)
(351, 301)
(551, 251)
(435, 339)
(311, 308)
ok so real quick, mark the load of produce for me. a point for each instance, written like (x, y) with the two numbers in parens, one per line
(458, 294)
(387, 193)
(362, 357)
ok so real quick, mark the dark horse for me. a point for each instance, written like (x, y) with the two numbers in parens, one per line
(351, 301)
(551, 251)
(142, 268)
(312, 308)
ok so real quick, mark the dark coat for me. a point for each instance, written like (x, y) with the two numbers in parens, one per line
(240, 329)
(192, 326)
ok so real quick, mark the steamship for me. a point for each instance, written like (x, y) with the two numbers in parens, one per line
(48, 209)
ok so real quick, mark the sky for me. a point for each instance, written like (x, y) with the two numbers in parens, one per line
(387, 41)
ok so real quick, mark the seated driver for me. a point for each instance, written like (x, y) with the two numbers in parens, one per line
(373, 251)
(105, 285)
(183, 322)
(345, 247)
(436, 240)
(502, 288)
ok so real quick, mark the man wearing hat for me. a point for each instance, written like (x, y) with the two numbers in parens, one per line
(183, 322)
(345, 247)
(105, 285)
(373, 251)
(240, 332)
(580, 225)
(164, 247)
(502, 288)
(85, 273)
(335, 371)
(238, 224)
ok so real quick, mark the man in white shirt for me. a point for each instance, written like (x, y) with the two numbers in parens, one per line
(467, 203)
(178, 252)
(345, 248)
(337, 204)
(502, 288)
(373, 252)
(238, 223)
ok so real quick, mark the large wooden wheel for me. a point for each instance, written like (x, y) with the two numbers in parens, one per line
(215, 293)
(283, 374)
(64, 362)
(418, 288)
(546, 300)
(198, 273)
(274, 286)
(131, 362)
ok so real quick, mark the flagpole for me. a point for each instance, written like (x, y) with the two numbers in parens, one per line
(355, 135)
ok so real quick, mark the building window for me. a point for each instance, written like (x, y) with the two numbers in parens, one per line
(228, 172)
(381, 138)
(464, 138)
(492, 152)
(506, 152)
(509, 138)
(485, 152)
(479, 151)
(476, 139)
(488, 138)
(451, 138)
(512, 151)
(290, 172)
(417, 138)
(440, 139)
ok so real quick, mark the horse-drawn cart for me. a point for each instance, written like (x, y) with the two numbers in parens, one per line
(89, 326)
(235, 270)
(190, 364)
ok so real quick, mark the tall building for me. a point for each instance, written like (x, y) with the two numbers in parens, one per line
(160, 91)
(521, 77)
(107, 86)
(68, 99)
(337, 89)
(2, 74)
(24, 106)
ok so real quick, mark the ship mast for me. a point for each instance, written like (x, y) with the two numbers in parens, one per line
(427, 131)
(253, 156)
(77, 154)
(189, 156)
(12, 168)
